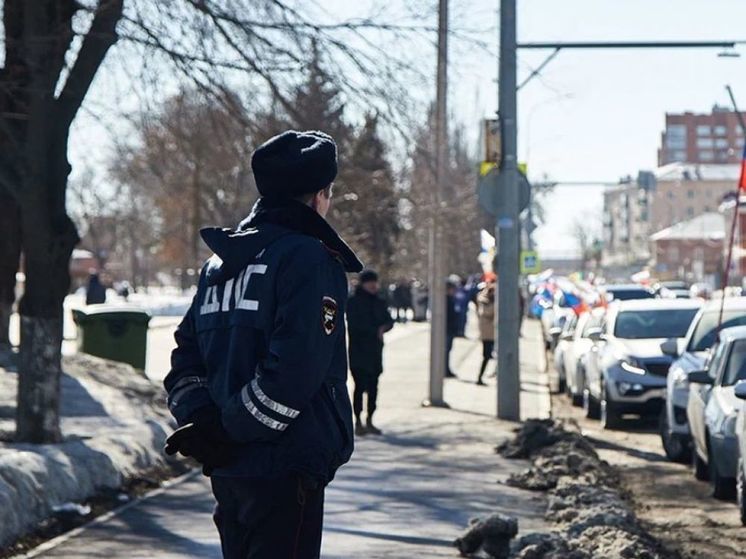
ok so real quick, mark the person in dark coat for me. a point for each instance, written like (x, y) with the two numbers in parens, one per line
(95, 293)
(258, 377)
(452, 324)
(368, 318)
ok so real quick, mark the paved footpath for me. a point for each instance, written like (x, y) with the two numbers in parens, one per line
(406, 494)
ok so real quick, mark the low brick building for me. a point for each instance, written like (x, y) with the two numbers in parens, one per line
(691, 250)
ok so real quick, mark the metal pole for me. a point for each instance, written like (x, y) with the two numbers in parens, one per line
(507, 230)
(438, 269)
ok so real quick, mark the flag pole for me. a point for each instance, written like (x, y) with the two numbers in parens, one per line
(741, 188)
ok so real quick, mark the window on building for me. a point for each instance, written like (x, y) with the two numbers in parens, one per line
(673, 253)
(676, 131)
(722, 155)
(690, 194)
(678, 155)
(675, 142)
(703, 130)
(705, 142)
(722, 143)
(706, 155)
(739, 142)
(706, 208)
(690, 212)
(720, 130)
(670, 195)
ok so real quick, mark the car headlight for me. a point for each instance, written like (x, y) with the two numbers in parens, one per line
(632, 365)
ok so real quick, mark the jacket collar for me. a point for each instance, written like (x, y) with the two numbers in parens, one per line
(300, 218)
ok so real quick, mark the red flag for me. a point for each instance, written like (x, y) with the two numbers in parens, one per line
(742, 181)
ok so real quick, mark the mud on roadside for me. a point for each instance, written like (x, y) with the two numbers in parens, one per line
(588, 503)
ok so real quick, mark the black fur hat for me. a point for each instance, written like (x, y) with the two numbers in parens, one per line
(294, 163)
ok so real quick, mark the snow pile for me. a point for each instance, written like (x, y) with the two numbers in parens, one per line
(586, 499)
(114, 426)
(491, 535)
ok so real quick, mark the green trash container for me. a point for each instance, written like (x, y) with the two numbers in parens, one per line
(116, 333)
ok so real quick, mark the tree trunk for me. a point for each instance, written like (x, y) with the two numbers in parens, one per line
(10, 254)
(49, 237)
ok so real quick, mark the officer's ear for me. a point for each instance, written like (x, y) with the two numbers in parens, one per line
(322, 200)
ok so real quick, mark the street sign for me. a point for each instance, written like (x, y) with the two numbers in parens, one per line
(530, 263)
(491, 192)
(492, 141)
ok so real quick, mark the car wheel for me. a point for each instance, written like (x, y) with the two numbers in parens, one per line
(611, 414)
(741, 491)
(577, 396)
(590, 406)
(722, 487)
(701, 471)
(562, 385)
(675, 447)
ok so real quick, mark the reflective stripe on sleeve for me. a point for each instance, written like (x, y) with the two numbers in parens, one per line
(258, 415)
(276, 407)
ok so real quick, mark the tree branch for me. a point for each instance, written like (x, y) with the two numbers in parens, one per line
(101, 36)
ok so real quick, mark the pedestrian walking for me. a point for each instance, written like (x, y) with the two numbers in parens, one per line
(452, 323)
(258, 378)
(486, 314)
(95, 293)
(368, 318)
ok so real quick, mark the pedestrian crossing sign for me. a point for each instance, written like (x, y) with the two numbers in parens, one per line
(530, 263)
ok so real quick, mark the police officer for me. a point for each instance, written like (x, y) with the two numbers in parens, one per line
(257, 382)
(368, 318)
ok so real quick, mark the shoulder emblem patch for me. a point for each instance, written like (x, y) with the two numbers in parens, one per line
(329, 311)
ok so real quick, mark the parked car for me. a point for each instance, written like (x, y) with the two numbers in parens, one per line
(740, 392)
(553, 320)
(625, 369)
(691, 356)
(626, 292)
(712, 411)
(578, 345)
(668, 293)
(563, 344)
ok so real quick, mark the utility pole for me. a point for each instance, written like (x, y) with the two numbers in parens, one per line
(437, 250)
(507, 228)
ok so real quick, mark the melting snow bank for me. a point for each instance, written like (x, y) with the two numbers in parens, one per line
(114, 425)
(587, 501)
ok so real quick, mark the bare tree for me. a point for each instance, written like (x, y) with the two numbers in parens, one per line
(53, 51)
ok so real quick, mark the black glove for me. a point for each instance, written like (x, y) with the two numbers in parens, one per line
(204, 438)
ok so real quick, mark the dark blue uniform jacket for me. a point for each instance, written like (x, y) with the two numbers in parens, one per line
(264, 340)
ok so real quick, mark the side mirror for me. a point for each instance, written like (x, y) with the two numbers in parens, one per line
(555, 331)
(596, 334)
(670, 347)
(740, 389)
(700, 377)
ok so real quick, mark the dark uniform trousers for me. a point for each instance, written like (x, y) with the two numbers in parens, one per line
(269, 519)
(365, 382)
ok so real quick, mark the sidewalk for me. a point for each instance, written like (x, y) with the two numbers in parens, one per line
(406, 494)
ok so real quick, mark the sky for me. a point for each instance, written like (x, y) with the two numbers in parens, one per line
(590, 116)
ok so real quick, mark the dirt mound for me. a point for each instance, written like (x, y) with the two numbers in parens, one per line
(586, 499)
(491, 535)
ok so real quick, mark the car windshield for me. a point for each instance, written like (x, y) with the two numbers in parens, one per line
(706, 329)
(629, 294)
(664, 323)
